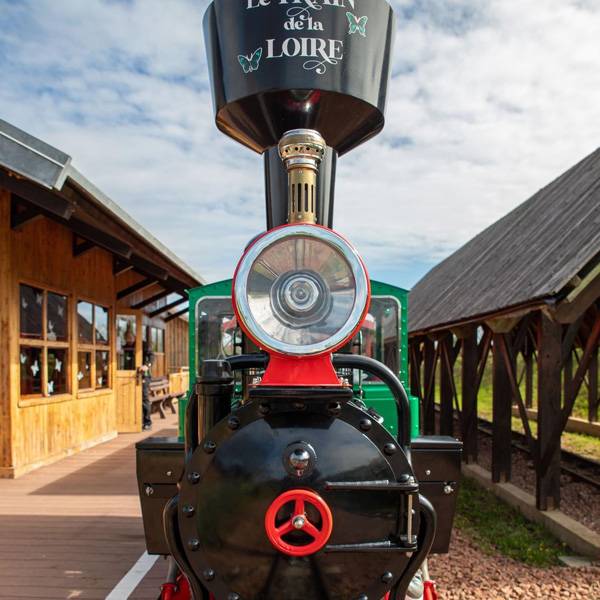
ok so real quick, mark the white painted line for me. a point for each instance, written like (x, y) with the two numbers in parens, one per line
(125, 587)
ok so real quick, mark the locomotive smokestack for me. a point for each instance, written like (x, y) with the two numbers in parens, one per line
(302, 151)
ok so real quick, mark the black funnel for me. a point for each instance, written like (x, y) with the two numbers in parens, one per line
(278, 65)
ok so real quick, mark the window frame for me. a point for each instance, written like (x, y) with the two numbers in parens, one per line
(44, 344)
(93, 347)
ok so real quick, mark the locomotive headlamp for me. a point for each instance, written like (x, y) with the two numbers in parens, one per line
(301, 290)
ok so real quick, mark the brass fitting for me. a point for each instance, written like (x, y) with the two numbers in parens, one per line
(302, 151)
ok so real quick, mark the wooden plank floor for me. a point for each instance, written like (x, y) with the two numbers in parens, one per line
(74, 529)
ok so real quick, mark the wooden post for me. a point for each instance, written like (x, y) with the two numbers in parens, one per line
(415, 367)
(446, 387)
(6, 331)
(549, 412)
(567, 374)
(469, 396)
(429, 387)
(502, 415)
(593, 388)
(528, 357)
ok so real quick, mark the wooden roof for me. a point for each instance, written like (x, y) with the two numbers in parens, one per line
(531, 254)
(43, 181)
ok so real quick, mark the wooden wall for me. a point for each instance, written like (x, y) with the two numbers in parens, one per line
(45, 428)
(176, 343)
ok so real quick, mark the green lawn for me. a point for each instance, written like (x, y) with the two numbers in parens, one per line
(498, 528)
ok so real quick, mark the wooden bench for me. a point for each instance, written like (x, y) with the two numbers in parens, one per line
(160, 397)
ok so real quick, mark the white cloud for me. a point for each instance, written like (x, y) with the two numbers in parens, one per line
(490, 100)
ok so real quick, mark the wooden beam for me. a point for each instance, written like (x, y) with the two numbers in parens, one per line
(430, 362)
(164, 309)
(447, 387)
(121, 266)
(40, 197)
(99, 238)
(136, 287)
(502, 415)
(593, 387)
(510, 364)
(469, 397)
(22, 213)
(152, 299)
(148, 268)
(416, 358)
(528, 357)
(177, 315)
(580, 299)
(549, 428)
(81, 246)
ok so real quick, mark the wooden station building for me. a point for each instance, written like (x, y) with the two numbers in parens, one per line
(526, 292)
(84, 292)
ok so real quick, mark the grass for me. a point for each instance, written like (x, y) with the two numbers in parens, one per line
(499, 528)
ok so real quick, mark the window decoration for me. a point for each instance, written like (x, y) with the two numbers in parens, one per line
(44, 342)
(126, 340)
(84, 370)
(93, 335)
(31, 377)
(102, 368)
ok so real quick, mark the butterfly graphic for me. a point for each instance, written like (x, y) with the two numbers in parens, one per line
(58, 365)
(251, 63)
(357, 24)
(80, 376)
(23, 359)
(51, 387)
(35, 368)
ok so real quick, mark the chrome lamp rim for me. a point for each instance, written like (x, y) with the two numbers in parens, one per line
(311, 231)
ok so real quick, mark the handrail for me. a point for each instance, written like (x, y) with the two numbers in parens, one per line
(349, 361)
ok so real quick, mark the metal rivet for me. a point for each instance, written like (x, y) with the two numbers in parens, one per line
(363, 597)
(299, 406)
(149, 490)
(428, 472)
(448, 489)
(335, 408)
(390, 449)
(194, 544)
(209, 447)
(366, 424)
(208, 575)
(387, 577)
(233, 596)
(233, 423)
(193, 477)
(188, 510)
(169, 473)
(264, 409)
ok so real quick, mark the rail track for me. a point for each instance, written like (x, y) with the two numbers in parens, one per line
(577, 466)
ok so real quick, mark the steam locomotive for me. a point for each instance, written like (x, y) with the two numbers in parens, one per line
(299, 472)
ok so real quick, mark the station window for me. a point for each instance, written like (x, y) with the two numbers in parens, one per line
(155, 338)
(44, 342)
(126, 341)
(93, 356)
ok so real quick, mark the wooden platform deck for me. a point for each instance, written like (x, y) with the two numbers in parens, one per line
(74, 529)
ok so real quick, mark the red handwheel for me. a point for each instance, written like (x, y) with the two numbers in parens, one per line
(316, 534)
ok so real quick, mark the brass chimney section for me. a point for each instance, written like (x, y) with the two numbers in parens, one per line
(302, 151)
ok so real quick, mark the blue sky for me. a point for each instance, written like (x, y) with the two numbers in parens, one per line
(489, 101)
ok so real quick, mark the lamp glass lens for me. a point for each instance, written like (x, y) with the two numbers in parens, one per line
(301, 290)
